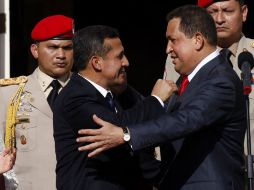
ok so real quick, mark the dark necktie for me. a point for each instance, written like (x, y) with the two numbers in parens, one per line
(54, 92)
(184, 83)
(226, 53)
(111, 102)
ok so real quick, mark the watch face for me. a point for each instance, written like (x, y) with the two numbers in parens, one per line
(126, 137)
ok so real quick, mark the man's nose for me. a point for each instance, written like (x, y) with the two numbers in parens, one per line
(169, 48)
(125, 62)
(219, 17)
(61, 54)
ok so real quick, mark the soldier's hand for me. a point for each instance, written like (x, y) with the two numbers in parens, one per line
(7, 160)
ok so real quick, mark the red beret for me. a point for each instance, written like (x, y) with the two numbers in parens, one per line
(205, 3)
(56, 26)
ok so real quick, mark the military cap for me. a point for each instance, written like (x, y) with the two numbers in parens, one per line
(53, 27)
(206, 3)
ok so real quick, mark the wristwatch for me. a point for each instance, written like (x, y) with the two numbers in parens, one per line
(126, 134)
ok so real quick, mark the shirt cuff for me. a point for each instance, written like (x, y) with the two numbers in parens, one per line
(161, 102)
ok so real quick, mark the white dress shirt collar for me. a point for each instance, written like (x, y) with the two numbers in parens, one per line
(102, 90)
(202, 63)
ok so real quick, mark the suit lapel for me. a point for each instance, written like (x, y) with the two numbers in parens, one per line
(174, 101)
(38, 99)
(92, 92)
(170, 104)
(200, 77)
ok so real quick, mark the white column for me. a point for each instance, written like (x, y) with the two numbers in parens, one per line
(5, 41)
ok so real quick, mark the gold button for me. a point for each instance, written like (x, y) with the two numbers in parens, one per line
(23, 139)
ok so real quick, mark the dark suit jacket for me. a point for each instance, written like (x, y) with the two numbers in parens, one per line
(129, 98)
(114, 169)
(206, 128)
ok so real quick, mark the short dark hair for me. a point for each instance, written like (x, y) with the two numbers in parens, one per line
(195, 19)
(89, 41)
(241, 2)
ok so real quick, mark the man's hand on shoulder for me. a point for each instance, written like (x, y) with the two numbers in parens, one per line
(107, 137)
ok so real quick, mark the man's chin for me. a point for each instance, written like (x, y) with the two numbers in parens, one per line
(60, 73)
(223, 35)
(122, 83)
(119, 87)
(176, 68)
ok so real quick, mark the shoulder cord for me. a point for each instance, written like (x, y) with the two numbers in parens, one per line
(11, 117)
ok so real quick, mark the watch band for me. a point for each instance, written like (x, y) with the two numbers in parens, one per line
(126, 134)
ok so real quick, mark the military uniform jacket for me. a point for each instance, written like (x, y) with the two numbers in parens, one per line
(245, 44)
(36, 161)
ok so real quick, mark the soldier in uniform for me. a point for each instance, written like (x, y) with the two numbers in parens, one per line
(26, 105)
(229, 16)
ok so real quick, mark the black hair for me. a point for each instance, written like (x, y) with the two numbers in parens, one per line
(89, 41)
(195, 19)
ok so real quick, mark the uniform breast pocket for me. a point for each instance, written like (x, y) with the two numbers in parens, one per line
(26, 135)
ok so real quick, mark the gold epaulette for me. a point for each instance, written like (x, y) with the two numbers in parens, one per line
(13, 81)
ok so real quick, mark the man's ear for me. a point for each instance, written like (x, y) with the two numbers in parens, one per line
(244, 10)
(198, 40)
(34, 50)
(96, 62)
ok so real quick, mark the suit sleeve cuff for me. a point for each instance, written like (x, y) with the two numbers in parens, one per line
(161, 102)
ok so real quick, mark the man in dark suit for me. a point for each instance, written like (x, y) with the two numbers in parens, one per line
(100, 61)
(207, 123)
